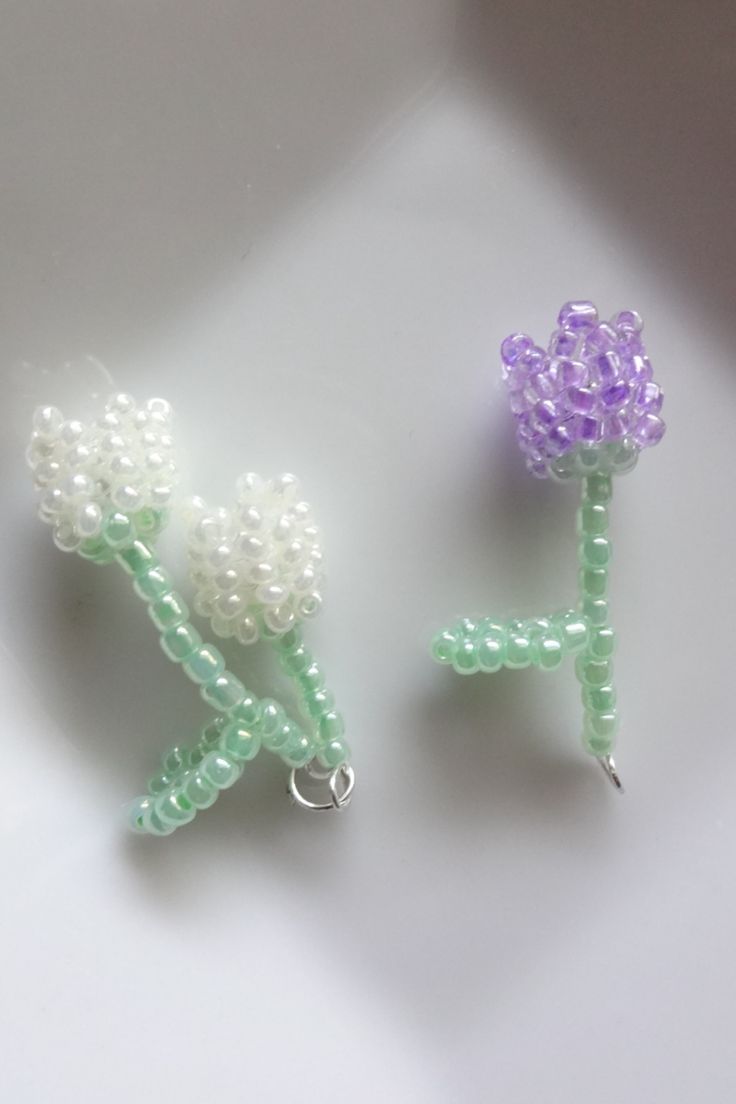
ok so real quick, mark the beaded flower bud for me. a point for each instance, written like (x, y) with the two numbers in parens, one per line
(585, 407)
(111, 478)
(588, 403)
(256, 568)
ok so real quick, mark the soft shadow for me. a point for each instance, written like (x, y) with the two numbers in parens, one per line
(638, 100)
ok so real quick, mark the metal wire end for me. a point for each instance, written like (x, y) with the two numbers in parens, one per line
(609, 768)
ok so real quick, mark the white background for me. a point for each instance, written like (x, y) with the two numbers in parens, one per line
(309, 226)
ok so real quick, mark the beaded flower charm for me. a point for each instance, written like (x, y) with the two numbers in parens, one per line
(105, 489)
(584, 408)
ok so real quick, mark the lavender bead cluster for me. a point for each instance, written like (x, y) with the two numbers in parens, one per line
(589, 402)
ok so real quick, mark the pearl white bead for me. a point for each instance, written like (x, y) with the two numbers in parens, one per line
(47, 421)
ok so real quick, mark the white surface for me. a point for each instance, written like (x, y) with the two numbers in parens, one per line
(310, 227)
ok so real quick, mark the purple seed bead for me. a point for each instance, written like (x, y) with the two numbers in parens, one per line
(514, 346)
(617, 394)
(516, 376)
(560, 439)
(649, 430)
(627, 321)
(581, 399)
(517, 402)
(571, 373)
(534, 359)
(608, 367)
(563, 343)
(577, 315)
(590, 430)
(544, 414)
(614, 427)
(649, 395)
(638, 368)
(600, 339)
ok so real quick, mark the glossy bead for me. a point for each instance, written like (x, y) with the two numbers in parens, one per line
(153, 583)
(204, 664)
(296, 661)
(322, 701)
(466, 657)
(199, 790)
(312, 679)
(331, 726)
(174, 808)
(598, 489)
(224, 692)
(573, 630)
(491, 650)
(334, 753)
(603, 642)
(137, 558)
(599, 731)
(137, 812)
(159, 782)
(277, 739)
(298, 752)
(168, 611)
(272, 717)
(241, 743)
(181, 642)
(220, 769)
(175, 759)
(593, 672)
(595, 551)
(592, 519)
(247, 712)
(599, 699)
(593, 581)
(444, 646)
(118, 530)
(518, 651)
(595, 610)
(550, 652)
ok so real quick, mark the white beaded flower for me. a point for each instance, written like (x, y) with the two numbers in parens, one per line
(121, 461)
(257, 566)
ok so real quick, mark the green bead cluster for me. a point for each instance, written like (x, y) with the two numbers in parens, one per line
(192, 778)
(488, 645)
(594, 665)
(317, 702)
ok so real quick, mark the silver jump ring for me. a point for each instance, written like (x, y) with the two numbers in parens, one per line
(340, 781)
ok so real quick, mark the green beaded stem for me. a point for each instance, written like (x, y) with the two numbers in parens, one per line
(317, 702)
(192, 778)
(487, 645)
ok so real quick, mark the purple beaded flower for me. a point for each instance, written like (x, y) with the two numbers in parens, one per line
(587, 404)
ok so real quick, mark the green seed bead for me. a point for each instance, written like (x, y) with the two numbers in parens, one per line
(136, 558)
(595, 551)
(159, 783)
(169, 611)
(518, 651)
(96, 551)
(154, 824)
(297, 661)
(593, 672)
(550, 652)
(199, 791)
(595, 611)
(150, 522)
(592, 519)
(598, 488)
(240, 742)
(211, 733)
(320, 702)
(204, 665)
(444, 646)
(574, 631)
(334, 754)
(593, 581)
(491, 650)
(181, 642)
(599, 699)
(281, 737)
(331, 726)
(136, 813)
(220, 769)
(153, 583)
(599, 732)
(272, 718)
(174, 759)
(603, 642)
(466, 657)
(312, 679)
(196, 755)
(247, 712)
(224, 692)
(173, 808)
(298, 752)
(118, 530)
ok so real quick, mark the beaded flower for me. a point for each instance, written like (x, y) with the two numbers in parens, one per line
(256, 568)
(588, 403)
(586, 408)
(118, 471)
